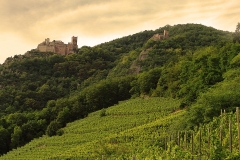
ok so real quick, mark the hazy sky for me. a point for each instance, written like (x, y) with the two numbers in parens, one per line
(26, 23)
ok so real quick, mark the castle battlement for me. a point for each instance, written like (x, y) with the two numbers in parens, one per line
(58, 46)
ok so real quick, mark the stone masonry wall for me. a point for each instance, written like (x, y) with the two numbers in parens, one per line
(58, 46)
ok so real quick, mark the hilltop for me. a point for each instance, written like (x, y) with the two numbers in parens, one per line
(42, 92)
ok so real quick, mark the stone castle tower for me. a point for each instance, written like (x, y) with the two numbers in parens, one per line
(157, 37)
(58, 46)
(165, 34)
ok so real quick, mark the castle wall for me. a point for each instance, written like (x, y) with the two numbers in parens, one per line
(42, 48)
(50, 49)
(60, 49)
(58, 46)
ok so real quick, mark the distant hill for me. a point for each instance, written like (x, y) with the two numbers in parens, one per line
(42, 92)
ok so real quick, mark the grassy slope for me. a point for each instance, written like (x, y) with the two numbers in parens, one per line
(129, 128)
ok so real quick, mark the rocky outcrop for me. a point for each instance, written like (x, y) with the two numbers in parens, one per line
(135, 68)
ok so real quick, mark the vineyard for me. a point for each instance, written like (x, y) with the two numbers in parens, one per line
(216, 140)
(137, 129)
(132, 127)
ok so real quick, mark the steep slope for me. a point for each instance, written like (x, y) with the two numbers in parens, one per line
(140, 128)
(183, 39)
(126, 129)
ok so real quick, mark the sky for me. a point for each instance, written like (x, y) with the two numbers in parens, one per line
(26, 23)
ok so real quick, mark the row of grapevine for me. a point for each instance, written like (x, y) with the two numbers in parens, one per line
(138, 129)
(219, 139)
(132, 127)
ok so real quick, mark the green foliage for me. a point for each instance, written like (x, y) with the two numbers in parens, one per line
(145, 82)
(33, 129)
(52, 128)
(148, 80)
(217, 151)
(123, 67)
(41, 92)
(103, 112)
(235, 61)
(222, 96)
(236, 34)
(4, 140)
(16, 137)
(133, 127)
(64, 116)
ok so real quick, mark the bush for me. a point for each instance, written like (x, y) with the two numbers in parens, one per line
(60, 132)
(52, 128)
(103, 112)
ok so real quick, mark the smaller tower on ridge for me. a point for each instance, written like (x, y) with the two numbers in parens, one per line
(47, 41)
(165, 34)
(74, 42)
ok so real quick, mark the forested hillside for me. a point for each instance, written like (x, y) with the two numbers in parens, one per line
(41, 92)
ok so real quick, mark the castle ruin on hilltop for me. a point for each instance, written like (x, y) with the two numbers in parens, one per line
(58, 46)
(158, 37)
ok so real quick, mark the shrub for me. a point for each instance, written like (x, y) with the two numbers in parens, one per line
(103, 112)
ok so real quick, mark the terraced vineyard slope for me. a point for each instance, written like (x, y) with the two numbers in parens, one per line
(133, 127)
